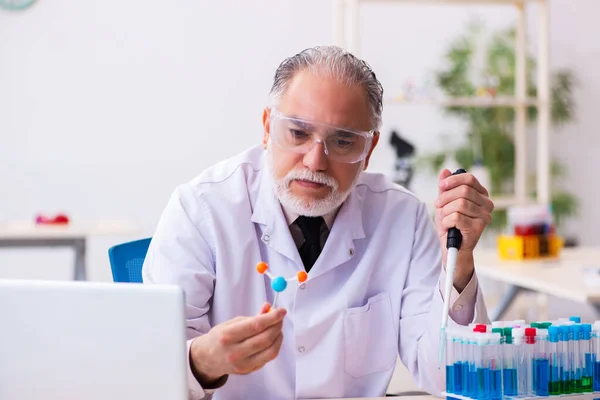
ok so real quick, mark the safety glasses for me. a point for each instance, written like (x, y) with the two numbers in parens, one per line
(301, 135)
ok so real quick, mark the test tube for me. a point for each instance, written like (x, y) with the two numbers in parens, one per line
(450, 361)
(482, 362)
(585, 347)
(596, 352)
(495, 362)
(471, 375)
(554, 388)
(458, 361)
(565, 359)
(466, 359)
(529, 358)
(518, 340)
(541, 363)
(576, 363)
(510, 360)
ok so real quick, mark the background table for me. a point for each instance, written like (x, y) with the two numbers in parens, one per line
(562, 278)
(23, 234)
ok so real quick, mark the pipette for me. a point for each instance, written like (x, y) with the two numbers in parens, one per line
(453, 242)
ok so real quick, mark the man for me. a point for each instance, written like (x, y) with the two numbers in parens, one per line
(301, 202)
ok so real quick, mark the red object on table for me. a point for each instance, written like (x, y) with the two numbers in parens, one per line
(58, 219)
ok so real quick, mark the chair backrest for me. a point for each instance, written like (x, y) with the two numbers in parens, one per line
(126, 260)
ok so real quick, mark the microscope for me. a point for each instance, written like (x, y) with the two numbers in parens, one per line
(404, 168)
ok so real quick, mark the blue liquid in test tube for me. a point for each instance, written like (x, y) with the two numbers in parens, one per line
(464, 375)
(541, 363)
(450, 357)
(484, 382)
(458, 369)
(467, 385)
(495, 360)
(542, 374)
(595, 349)
(496, 393)
(597, 376)
(473, 382)
(449, 378)
(510, 382)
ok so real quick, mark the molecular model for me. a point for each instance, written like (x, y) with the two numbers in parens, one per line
(279, 284)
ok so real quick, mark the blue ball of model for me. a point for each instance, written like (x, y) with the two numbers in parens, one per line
(279, 284)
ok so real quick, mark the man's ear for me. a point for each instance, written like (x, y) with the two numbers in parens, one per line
(266, 120)
(373, 144)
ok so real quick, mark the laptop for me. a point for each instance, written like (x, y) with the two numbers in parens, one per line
(91, 340)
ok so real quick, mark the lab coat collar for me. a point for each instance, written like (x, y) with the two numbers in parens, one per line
(339, 248)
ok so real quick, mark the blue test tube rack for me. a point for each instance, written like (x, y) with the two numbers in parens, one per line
(515, 360)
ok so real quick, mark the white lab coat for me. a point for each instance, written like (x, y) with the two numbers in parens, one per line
(372, 294)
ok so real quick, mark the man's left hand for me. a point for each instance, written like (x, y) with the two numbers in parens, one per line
(465, 204)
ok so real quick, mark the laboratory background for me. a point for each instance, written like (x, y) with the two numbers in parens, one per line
(106, 107)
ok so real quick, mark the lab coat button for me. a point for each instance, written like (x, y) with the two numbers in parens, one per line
(351, 252)
(458, 307)
(266, 238)
(301, 349)
(303, 286)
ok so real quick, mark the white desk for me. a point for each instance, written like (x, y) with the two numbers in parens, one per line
(74, 235)
(562, 278)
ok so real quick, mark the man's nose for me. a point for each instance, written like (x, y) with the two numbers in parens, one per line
(316, 159)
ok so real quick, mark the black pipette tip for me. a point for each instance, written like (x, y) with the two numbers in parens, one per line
(454, 238)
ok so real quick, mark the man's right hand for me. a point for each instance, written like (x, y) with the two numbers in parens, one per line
(238, 346)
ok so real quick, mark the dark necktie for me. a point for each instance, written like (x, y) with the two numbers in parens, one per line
(311, 248)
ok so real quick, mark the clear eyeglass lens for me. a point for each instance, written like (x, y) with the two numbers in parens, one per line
(300, 137)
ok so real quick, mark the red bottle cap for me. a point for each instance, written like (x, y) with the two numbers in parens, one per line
(530, 335)
(480, 328)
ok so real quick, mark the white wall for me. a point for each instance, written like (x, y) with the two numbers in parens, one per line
(576, 46)
(105, 107)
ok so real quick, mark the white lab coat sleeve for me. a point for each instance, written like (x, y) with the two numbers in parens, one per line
(422, 306)
(180, 254)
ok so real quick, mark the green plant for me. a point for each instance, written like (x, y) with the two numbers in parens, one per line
(490, 130)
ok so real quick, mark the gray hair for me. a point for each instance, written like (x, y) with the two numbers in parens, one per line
(335, 62)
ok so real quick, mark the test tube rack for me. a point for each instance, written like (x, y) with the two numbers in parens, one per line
(514, 360)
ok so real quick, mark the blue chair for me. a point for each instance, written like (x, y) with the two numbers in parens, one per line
(126, 260)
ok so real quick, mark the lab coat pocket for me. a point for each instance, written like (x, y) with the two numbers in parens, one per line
(371, 344)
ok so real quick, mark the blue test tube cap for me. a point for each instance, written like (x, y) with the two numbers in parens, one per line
(564, 332)
(553, 333)
(575, 319)
(279, 284)
(575, 331)
(587, 331)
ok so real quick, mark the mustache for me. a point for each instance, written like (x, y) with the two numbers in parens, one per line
(311, 176)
